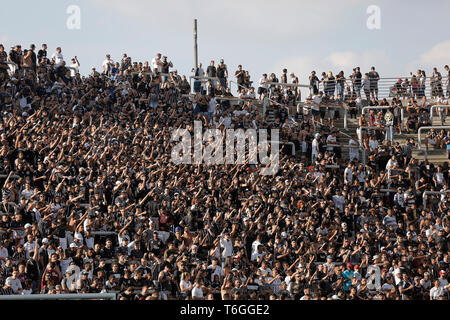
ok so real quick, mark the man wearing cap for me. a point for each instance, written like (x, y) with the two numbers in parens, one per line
(222, 74)
(315, 148)
(211, 72)
(348, 276)
(374, 274)
(14, 283)
(442, 278)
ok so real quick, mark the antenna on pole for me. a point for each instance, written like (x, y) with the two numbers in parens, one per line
(195, 45)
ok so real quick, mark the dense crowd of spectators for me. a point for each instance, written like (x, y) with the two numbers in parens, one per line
(91, 201)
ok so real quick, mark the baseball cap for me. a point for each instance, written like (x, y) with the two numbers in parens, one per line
(45, 240)
(349, 265)
(442, 272)
(72, 245)
(27, 225)
(177, 229)
(317, 135)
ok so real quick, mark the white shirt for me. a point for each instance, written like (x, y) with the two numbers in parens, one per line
(435, 293)
(75, 66)
(227, 247)
(197, 292)
(155, 64)
(184, 284)
(27, 193)
(263, 82)
(331, 140)
(15, 284)
(218, 270)
(256, 255)
(29, 247)
(265, 271)
(90, 242)
(348, 175)
(58, 58)
(317, 100)
(315, 147)
(106, 63)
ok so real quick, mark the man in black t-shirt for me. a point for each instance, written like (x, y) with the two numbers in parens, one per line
(15, 55)
(42, 54)
(222, 74)
(33, 57)
(212, 73)
(357, 81)
(313, 83)
(240, 77)
(373, 82)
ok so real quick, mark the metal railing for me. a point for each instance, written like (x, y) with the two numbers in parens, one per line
(419, 137)
(425, 193)
(436, 106)
(364, 109)
(343, 107)
(387, 87)
(202, 79)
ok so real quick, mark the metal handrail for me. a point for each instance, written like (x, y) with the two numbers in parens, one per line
(386, 107)
(239, 85)
(287, 84)
(385, 86)
(419, 137)
(425, 193)
(434, 107)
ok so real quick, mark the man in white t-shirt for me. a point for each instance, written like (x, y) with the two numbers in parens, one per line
(157, 63)
(227, 246)
(14, 283)
(348, 174)
(57, 58)
(315, 147)
(262, 88)
(75, 67)
(216, 269)
(353, 152)
(107, 64)
(331, 139)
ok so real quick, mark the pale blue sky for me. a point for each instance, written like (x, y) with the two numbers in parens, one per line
(262, 36)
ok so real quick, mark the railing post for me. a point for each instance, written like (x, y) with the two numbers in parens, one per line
(265, 104)
(402, 124)
(345, 118)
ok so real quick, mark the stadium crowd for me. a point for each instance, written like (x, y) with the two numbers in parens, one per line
(91, 201)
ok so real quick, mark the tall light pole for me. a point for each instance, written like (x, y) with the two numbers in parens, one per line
(195, 45)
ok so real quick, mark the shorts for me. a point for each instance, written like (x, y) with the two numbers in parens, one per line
(262, 90)
(315, 113)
